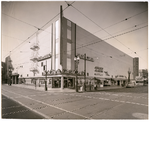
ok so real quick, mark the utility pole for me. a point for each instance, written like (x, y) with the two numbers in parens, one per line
(85, 71)
(46, 77)
(129, 72)
(76, 59)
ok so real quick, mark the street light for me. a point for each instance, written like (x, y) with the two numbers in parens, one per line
(46, 76)
(10, 73)
(85, 72)
(129, 72)
(76, 59)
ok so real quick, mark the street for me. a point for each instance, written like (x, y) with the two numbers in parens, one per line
(124, 103)
(13, 110)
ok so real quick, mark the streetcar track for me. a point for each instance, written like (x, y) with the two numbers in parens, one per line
(118, 95)
(117, 101)
(104, 111)
(15, 112)
(71, 101)
(10, 107)
(50, 106)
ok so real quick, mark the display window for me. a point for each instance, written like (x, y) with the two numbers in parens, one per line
(56, 82)
(69, 82)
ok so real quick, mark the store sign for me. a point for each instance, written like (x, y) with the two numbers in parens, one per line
(98, 69)
(41, 58)
(120, 77)
(51, 72)
(87, 58)
(98, 74)
(106, 73)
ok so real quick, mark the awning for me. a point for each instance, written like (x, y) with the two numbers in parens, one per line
(98, 78)
(15, 74)
(120, 79)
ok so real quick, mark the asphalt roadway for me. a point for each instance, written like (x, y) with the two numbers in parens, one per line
(123, 103)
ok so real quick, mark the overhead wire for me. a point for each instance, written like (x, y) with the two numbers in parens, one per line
(103, 40)
(119, 22)
(106, 39)
(71, 5)
(96, 24)
(20, 20)
(40, 28)
(99, 41)
(95, 52)
(95, 43)
(114, 36)
(103, 29)
(124, 20)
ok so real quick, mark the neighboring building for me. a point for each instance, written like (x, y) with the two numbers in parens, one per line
(143, 73)
(135, 67)
(3, 73)
(52, 53)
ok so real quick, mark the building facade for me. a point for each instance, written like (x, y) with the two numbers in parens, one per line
(50, 56)
(135, 67)
(3, 73)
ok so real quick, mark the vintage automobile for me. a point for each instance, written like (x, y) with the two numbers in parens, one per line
(131, 84)
(107, 83)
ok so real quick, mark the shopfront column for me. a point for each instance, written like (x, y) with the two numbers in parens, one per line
(62, 82)
(15, 79)
(120, 82)
(12, 79)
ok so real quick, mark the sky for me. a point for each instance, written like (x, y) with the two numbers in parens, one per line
(127, 21)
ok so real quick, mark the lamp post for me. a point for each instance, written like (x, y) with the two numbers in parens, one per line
(46, 77)
(85, 71)
(129, 72)
(10, 73)
(76, 59)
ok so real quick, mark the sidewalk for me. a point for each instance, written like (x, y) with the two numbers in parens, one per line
(63, 90)
(43, 88)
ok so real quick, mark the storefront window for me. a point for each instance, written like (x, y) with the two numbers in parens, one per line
(56, 82)
(69, 82)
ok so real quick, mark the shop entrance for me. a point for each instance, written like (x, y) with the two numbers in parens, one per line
(69, 82)
(118, 83)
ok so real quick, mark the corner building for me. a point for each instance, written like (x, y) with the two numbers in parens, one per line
(59, 43)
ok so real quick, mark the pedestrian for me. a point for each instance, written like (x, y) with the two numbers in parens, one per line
(94, 86)
(90, 86)
(35, 84)
(10, 82)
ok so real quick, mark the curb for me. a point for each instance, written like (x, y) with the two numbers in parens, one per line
(61, 90)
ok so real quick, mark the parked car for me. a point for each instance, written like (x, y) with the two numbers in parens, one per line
(131, 84)
(107, 83)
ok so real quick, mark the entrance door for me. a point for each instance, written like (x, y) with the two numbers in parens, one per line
(118, 82)
(69, 82)
(65, 83)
